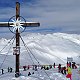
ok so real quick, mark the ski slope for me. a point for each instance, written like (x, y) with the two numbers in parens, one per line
(40, 75)
(47, 49)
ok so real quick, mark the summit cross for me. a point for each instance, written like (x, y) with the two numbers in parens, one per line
(17, 24)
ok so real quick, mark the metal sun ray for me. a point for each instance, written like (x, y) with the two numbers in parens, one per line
(17, 25)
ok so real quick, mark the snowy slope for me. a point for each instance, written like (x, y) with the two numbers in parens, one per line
(47, 48)
(53, 47)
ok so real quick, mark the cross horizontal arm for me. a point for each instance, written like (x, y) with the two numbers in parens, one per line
(30, 24)
(26, 24)
(5, 24)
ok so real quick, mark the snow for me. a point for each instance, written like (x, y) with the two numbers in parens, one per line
(47, 49)
(41, 75)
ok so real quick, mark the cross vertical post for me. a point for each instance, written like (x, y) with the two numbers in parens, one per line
(17, 24)
(17, 40)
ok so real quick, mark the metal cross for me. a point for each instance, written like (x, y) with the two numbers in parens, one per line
(17, 24)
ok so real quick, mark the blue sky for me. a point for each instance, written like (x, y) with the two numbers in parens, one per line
(54, 15)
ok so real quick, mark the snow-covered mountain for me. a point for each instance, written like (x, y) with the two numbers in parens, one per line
(46, 48)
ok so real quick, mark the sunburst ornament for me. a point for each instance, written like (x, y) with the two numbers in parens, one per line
(17, 25)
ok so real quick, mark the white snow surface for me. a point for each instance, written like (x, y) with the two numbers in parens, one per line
(47, 49)
(52, 74)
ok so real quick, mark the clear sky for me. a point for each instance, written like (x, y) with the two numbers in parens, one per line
(54, 15)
